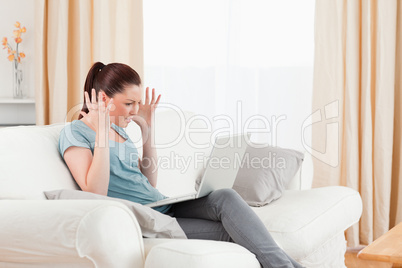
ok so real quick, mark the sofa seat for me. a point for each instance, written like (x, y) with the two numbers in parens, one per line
(167, 253)
(299, 224)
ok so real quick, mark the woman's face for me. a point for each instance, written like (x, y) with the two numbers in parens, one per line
(126, 105)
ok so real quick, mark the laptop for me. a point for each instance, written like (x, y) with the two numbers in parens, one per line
(221, 169)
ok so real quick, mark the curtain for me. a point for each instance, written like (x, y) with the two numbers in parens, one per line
(357, 96)
(70, 36)
(243, 64)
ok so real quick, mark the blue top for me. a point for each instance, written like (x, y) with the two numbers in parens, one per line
(126, 180)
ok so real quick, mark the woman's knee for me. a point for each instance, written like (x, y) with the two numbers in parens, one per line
(226, 195)
(226, 192)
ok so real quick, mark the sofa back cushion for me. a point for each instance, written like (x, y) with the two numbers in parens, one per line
(30, 162)
(182, 141)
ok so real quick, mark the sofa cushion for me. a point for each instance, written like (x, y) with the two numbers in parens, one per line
(265, 173)
(310, 217)
(182, 142)
(30, 162)
(198, 254)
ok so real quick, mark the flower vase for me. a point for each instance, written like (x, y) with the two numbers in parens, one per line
(17, 80)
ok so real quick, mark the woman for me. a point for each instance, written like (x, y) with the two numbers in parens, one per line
(103, 160)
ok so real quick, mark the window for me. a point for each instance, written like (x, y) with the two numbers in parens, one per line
(236, 58)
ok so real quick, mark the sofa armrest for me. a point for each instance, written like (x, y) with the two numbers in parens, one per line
(98, 232)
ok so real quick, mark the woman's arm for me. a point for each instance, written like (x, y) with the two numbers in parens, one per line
(92, 172)
(149, 163)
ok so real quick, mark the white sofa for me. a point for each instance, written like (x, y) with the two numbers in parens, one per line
(308, 224)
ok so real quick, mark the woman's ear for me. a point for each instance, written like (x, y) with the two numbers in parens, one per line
(104, 97)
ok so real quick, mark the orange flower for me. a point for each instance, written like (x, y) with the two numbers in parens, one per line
(17, 33)
(12, 54)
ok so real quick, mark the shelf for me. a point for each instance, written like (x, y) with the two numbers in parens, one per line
(15, 125)
(16, 101)
(17, 111)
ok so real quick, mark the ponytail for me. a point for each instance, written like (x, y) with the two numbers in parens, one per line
(90, 83)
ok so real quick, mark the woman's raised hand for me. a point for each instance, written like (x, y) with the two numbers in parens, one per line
(147, 109)
(98, 113)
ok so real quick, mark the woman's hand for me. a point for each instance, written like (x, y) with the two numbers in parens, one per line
(98, 114)
(146, 110)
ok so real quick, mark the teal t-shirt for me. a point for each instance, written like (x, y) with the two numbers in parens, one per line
(126, 180)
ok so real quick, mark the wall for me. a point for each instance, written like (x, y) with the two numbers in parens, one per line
(10, 12)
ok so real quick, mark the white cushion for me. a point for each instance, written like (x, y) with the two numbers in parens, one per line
(30, 162)
(302, 221)
(182, 141)
(200, 254)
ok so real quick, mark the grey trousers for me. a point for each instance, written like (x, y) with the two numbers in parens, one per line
(224, 216)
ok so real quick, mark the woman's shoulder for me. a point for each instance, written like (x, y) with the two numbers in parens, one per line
(77, 134)
(77, 126)
(76, 130)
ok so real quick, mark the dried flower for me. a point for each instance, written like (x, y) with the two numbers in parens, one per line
(14, 54)
(4, 42)
(17, 33)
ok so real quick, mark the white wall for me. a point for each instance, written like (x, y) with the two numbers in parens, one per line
(10, 12)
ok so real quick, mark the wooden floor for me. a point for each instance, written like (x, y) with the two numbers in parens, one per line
(351, 261)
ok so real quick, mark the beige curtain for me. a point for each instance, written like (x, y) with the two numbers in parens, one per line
(70, 36)
(357, 88)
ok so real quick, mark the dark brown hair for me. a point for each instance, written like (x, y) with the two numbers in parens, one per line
(111, 79)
